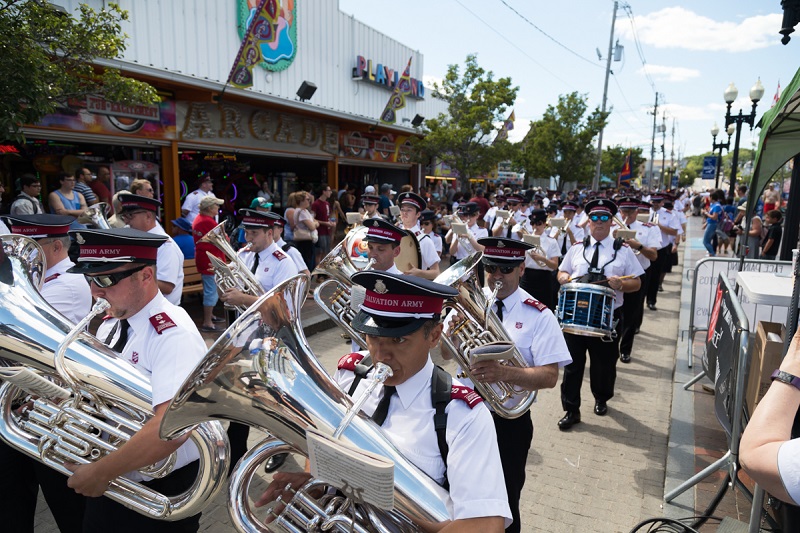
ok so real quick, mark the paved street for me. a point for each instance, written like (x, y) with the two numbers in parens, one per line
(608, 473)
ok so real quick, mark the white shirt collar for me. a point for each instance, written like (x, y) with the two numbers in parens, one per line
(408, 391)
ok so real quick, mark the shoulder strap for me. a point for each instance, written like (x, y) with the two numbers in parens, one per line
(441, 385)
(361, 371)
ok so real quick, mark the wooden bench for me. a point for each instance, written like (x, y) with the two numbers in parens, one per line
(192, 280)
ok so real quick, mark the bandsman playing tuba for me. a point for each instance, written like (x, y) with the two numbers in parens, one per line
(537, 336)
(160, 340)
(400, 317)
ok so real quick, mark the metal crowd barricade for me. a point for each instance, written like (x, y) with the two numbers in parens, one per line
(705, 274)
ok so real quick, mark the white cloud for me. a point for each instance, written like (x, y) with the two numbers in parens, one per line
(428, 81)
(677, 27)
(665, 73)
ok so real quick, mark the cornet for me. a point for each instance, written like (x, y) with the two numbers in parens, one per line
(536, 242)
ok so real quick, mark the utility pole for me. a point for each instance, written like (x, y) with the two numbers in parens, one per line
(672, 150)
(653, 146)
(663, 128)
(596, 180)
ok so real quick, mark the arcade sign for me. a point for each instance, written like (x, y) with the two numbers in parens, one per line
(385, 77)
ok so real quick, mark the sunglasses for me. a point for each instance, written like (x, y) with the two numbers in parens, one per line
(601, 218)
(491, 269)
(105, 281)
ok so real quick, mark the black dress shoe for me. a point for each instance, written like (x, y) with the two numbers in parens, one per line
(636, 332)
(600, 408)
(625, 357)
(652, 307)
(275, 462)
(569, 420)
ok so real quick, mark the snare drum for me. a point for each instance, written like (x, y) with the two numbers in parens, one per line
(586, 309)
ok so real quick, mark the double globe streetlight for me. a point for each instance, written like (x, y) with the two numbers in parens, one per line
(719, 146)
(756, 93)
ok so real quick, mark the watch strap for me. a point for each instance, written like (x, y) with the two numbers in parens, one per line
(787, 378)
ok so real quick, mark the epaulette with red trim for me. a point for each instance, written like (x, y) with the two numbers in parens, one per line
(349, 361)
(467, 395)
(279, 255)
(162, 321)
(106, 317)
(533, 302)
(51, 278)
(195, 192)
(648, 225)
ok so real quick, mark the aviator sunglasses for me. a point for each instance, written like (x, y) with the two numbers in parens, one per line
(601, 218)
(105, 281)
(491, 269)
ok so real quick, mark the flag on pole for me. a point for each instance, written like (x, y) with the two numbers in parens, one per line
(262, 29)
(508, 125)
(626, 174)
(777, 94)
(398, 98)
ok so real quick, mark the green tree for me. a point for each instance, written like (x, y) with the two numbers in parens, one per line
(561, 144)
(46, 60)
(613, 159)
(476, 103)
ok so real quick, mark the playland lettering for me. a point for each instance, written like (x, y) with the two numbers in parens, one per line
(383, 76)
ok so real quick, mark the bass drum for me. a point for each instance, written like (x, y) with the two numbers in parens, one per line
(357, 250)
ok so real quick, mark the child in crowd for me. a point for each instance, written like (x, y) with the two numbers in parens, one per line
(772, 242)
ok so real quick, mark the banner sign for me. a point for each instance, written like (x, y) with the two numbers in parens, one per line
(709, 167)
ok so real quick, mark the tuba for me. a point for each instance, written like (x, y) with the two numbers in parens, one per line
(261, 372)
(96, 215)
(233, 275)
(474, 326)
(102, 394)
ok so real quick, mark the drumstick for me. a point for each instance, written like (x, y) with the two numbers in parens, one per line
(605, 280)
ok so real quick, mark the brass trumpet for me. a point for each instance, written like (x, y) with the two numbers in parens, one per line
(536, 242)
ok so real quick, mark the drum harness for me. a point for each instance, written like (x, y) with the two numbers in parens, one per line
(596, 274)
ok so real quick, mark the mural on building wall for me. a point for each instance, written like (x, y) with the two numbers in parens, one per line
(386, 147)
(277, 40)
(97, 115)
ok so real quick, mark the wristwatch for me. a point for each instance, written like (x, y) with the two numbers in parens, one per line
(785, 377)
(640, 247)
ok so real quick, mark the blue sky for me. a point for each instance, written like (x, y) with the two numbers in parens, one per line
(693, 50)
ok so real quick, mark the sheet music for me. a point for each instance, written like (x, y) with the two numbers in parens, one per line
(33, 383)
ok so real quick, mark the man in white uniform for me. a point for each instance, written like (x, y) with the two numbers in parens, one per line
(670, 228)
(536, 334)
(573, 233)
(514, 202)
(140, 212)
(370, 203)
(161, 341)
(411, 205)
(400, 317)
(427, 221)
(462, 246)
(598, 259)
(191, 205)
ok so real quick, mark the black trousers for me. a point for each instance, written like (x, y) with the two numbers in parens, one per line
(104, 515)
(237, 436)
(19, 488)
(539, 284)
(632, 312)
(514, 440)
(602, 372)
(658, 266)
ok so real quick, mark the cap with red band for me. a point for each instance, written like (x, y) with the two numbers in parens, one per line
(381, 232)
(134, 202)
(627, 202)
(257, 219)
(412, 199)
(39, 226)
(503, 251)
(601, 206)
(100, 250)
(396, 305)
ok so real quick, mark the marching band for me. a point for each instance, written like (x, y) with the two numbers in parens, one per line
(536, 287)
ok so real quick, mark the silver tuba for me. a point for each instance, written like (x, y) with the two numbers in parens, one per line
(110, 397)
(96, 215)
(233, 275)
(261, 372)
(338, 266)
(473, 326)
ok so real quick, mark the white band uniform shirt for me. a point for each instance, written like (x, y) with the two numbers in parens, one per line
(68, 293)
(427, 249)
(437, 242)
(274, 266)
(192, 203)
(165, 346)
(169, 265)
(789, 468)
(624, 264)
(474, 470)
(551, 251)
(665, 218)
(465, 248)
(577, 232)
(650, 237)
(293, 253)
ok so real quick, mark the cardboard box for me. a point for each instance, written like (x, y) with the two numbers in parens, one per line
(766, 356)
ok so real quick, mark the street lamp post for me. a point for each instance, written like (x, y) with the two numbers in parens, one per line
(715, 146)
(756, 92)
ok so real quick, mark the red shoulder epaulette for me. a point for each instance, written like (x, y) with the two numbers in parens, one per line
(195, 192)
(349, 361)
(106, 317)
(51, 278)
(469, 396)
(280, 255)
(162, 321)
(533, 302)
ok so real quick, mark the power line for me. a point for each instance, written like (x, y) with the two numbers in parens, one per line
(638, 44)
(523, 52)
(540, 30)
(628, 103)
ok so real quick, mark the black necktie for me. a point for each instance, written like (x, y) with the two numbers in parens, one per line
(564, 245)
(123, 336)
(383, 406)
(255, 265)
(500, 310)
(595, 257)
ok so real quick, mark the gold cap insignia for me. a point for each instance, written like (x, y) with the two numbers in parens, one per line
(376, 223)
(500, 244)
(79, 238)
(380, 287)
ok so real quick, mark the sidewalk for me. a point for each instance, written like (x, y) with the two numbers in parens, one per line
(608, 473)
